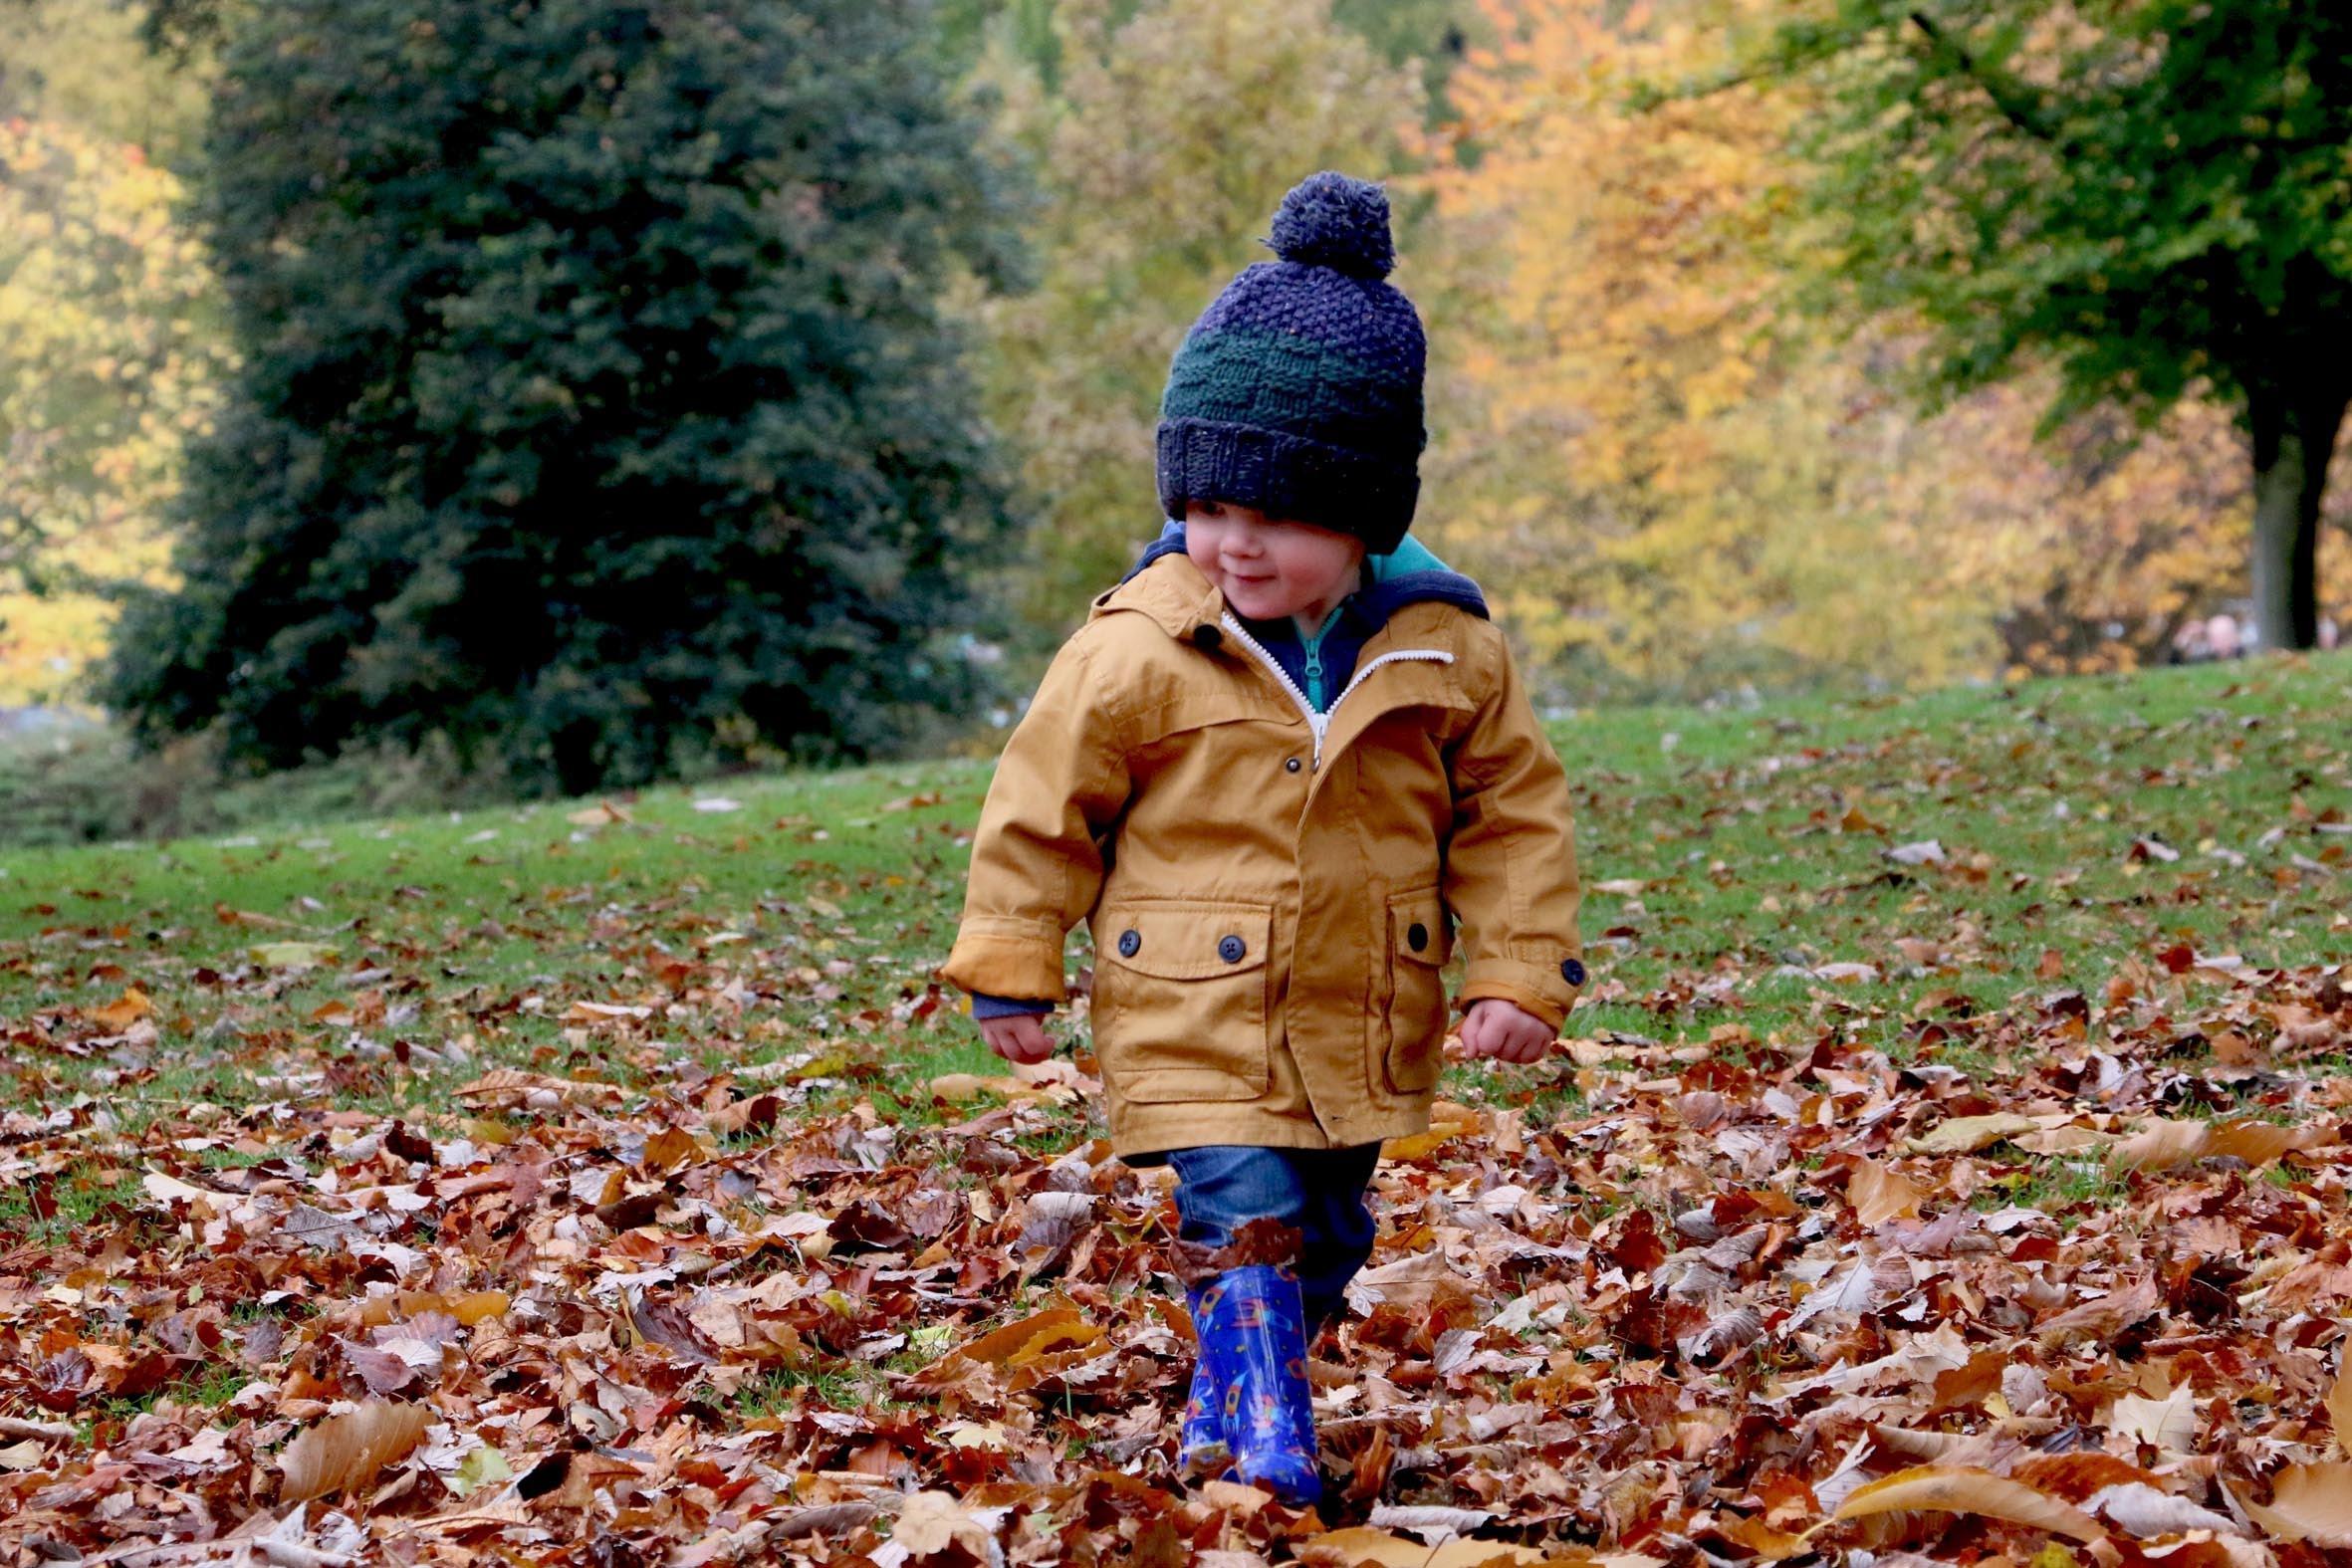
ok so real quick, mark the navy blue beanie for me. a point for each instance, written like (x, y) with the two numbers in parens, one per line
(1298, 390)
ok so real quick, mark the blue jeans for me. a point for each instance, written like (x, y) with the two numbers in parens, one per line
(1321, 1192)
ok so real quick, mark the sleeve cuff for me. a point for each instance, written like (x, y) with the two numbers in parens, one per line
(1543, 990)
(985, 1007)
(999, 957)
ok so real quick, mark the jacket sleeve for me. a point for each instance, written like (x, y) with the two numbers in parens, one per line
(1511, 867)
(1037, 858)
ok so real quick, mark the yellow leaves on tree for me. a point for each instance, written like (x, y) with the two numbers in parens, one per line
(110, 341)
(1166, 140)
(107, 366)
(1686, 485)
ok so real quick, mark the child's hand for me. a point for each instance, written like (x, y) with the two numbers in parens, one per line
(1496, 1028)
(1020, 1037)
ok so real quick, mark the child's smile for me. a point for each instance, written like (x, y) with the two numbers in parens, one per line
(1269, 568)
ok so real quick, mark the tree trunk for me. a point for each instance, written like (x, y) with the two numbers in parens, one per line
(2294, 435)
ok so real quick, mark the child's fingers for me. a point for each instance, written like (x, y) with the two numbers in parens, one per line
(1023, 1041)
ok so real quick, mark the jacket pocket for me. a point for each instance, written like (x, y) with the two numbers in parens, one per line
(1179, 1003)
(1420, 938)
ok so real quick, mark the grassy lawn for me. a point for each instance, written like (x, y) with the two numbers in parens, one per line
(1735, 861)
(633, 1143)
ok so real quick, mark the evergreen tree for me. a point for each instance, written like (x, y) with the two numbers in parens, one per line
(596, 409)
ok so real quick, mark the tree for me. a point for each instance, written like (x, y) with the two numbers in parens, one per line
(1650, 465)
(596, 413)
(111, 338)
(1162, 147)
(2153, 193)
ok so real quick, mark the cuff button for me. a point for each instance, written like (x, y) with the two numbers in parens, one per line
(1572, 970)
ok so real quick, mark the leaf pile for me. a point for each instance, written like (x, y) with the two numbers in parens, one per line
(1734, 1301)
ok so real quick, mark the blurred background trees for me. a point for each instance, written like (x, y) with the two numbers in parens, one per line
(2152, 198)
(596, 413)
(612, 389)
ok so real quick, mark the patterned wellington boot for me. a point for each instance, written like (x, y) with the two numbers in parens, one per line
(1200, 1447)
(1252, 1335)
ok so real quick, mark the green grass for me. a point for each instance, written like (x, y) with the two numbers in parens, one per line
(1724, 850)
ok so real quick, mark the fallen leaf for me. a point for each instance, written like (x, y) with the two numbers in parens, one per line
(2169, 1423)
(1962, 1490)
(1968, 1134)
(124, 1010)
(1880, 1192)
(2308, 1502)
(933, 1522)
(344, 1452)
(2259, 1142)
(292, 955)
(2161, 1145)
(2100, 1319)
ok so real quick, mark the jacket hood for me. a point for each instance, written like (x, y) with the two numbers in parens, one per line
(1408, 574)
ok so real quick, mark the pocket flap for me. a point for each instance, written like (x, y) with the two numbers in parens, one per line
(1419, 930)
(1184, 939)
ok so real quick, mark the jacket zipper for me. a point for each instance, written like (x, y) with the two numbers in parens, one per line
(1313, 647)
(1319, 723)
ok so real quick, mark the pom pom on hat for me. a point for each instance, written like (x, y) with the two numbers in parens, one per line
(1330, 220)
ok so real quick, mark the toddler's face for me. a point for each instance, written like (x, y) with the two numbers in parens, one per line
(1269, 568)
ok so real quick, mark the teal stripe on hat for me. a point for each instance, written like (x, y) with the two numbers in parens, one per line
(1295, 384)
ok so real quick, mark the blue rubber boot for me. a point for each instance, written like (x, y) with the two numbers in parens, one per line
(1253, 1334)
(1200, 1446)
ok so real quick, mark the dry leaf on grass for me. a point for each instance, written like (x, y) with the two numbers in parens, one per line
(932, 1521)
(1880, 1192)
(1968, 1134)
(2102, 1319)
(1362, 1547)
(1933, 1487)
(346, 1451)
(2308, 1502)
(2169, 1423)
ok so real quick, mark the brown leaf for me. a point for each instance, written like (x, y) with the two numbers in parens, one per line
(1959, 1490)
(1968, 1134)
(2339, 1410)
(2161, 1145)
(380, 1370)
(932, 1521)
(2260, 1142)
(344, 1452)
(2100, 1319)
(124, 1010)
(2308, 1502)
(1879, 1194)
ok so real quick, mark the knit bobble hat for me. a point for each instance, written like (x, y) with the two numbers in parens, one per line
(1298, 390)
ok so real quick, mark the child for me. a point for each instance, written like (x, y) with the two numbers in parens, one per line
(1271, 770)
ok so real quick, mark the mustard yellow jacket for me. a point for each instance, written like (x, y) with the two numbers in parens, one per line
(1272, 893)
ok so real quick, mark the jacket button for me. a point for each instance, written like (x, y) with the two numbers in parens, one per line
(1290, 765)
(1418, 936)
(1231, 950)
(1207, 638)
(1572, 970)
(1130, 942)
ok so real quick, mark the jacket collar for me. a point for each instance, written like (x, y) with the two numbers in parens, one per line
(1177, 597)
(1411, 574)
